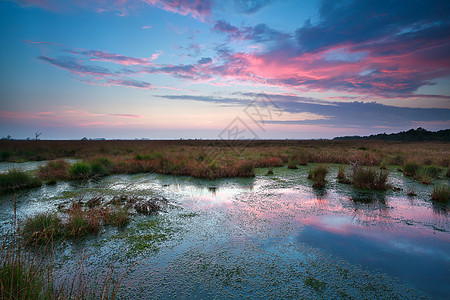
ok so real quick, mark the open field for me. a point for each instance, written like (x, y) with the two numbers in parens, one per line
(217, 159)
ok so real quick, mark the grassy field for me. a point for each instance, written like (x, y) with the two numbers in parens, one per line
(215, 158)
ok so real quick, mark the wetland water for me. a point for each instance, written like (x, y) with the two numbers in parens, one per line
(264, 237)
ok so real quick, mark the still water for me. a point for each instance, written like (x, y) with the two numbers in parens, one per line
(265, 237)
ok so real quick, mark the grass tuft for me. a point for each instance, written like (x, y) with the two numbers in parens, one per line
(317, 175)
(83, 222)
(292, 164)
(55, 169)
(41, 229)
(119, 217)
(369, 178)
(441, 193)
(15, 180)
(410, 169)
(79, 170)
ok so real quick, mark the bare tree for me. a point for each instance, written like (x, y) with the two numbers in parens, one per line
(37, 134)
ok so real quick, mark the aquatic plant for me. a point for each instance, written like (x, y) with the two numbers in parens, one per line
(433, 171)
(341, 176)
(22, 277)
(317, 285)
(292, 164)
(42, 228)
(55, 169)
(100, 166)
(27, 276)
(411, 192)
(423, 176)
(244, 169)
(410, 169)
(269, 171)
(15, 180)
(369, 178)
(82, 222)
(441, 193)
(119, 217)
(318, 174)
(79, 170)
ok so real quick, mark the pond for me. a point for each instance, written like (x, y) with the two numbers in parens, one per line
(264, 237)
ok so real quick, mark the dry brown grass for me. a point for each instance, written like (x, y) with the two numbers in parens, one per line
(214, 159)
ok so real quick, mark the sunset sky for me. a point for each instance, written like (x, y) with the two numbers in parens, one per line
(207, 68)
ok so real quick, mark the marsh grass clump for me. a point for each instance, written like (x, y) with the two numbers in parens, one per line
(80, 170)
(244, 169)
(369, 178)
(292, 164)
(441, 193)
(317, 175)
(270, 171)
(41, 229)
(82, 222)
(410, 169)
(15, 180)
(423, 176)
(341, 176)
(55, 169)
(100, 166)
(119, 217)
(426, 174)
(448, 173)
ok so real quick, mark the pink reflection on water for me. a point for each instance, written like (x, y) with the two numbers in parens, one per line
(384, 232)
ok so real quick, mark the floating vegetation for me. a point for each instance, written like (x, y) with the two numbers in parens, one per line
(315, 284)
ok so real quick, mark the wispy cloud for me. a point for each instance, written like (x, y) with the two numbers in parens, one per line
(335, 114)
(198, 9)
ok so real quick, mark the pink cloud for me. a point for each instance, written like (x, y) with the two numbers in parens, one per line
(126, 115)
(199, 9)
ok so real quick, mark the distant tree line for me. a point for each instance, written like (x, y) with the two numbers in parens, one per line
(418, 134)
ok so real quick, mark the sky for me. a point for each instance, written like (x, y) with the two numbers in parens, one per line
(230, 69)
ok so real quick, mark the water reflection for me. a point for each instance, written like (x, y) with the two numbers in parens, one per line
(440, 209)
(368, 196)
(414, 255)
(265, 222)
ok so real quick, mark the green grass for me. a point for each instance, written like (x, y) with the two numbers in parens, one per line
(369, 178)
(317, 175)
(82, 222)
(292, 164)
(26, 276)
(22, 278)
(410, 169)
(15, 180)
(119, 217)
(341, 176)
(101, 166)
(55, 169)
(79, 170)
(41, 229)
(441, 193)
